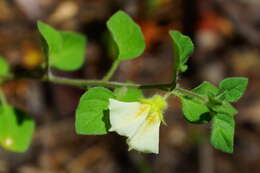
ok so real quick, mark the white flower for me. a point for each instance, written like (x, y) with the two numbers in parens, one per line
(139, 122)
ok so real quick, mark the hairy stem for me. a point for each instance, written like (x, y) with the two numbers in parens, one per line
(111, 70)
(188, 93)
(88, 83)
(84, 84)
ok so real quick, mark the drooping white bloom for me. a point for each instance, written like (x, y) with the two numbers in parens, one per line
(139, 122)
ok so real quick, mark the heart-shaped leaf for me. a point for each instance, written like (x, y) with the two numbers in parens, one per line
(127, 35)
(92, 112)
(65, 50)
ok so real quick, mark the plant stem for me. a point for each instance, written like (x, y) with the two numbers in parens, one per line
(189, 93)
(166, 95)
(164, 87)
(91, 83)
(88, 83)
(112, 70)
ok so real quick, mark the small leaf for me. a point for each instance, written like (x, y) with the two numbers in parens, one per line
(233, 88)
(125, 94)
(222, 134)
(224, 108)
(127, 35)
(52, 38)
(194, 110)
(66, 50)
(4, 68)
(16, 129)
(183, 48)
(92, 112)
(206, 89)
(72, 56)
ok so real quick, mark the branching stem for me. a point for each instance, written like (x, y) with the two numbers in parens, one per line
(88, 83)
(84, 84)
(112, 70)
(189, 93)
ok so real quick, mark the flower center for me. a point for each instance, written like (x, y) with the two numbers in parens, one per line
(157, 105)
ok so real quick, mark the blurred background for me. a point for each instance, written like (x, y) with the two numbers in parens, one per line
(227, 40)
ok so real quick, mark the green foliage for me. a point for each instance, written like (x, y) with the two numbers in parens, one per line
(111, 46)
(4, 67)
(233, 88)
(194, 110)
(127, 35)
(206, 89)
(52, 38)
(224, 108)
(16, 129)
(220, 111)
(66, 50)
(72, 56)
(222, 135)
(92, 112)
(128, 94)
(183, 48)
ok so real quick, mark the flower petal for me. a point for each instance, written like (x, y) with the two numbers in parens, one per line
(126, 117)
(146, 138)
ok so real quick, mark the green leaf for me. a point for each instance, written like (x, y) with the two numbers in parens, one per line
(127, 35)
(222, 134)
(92, 112)
(125, 94)
(194, 110)
(224, 108)
(183, 48)
(52, 38)
(206, 89)
(66, 50)
(16, 129)
(111, 46)
(72, 56)
(4, 68)
(233, 88)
